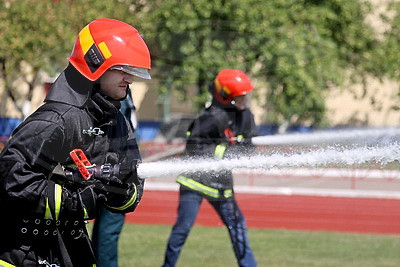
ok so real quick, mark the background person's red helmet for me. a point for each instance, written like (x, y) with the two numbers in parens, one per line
(106, 43)
(230, 83)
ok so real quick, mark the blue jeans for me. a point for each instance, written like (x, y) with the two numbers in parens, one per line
(230, 214)
(106, 230)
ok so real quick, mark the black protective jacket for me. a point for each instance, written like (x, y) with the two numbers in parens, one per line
(219, 132)
(43, 215)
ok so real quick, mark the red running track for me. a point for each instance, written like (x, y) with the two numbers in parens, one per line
(358, 215)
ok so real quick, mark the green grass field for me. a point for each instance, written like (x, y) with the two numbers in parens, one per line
(144, 245)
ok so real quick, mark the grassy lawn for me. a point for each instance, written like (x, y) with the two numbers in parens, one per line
(144, 245)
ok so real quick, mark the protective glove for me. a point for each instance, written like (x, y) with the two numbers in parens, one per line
(81, 203)
(116, 183)
(121, 199)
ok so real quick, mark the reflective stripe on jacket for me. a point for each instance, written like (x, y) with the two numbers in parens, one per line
(203, 189)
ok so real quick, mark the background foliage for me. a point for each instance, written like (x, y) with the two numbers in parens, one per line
(41, 34)
(298, 49)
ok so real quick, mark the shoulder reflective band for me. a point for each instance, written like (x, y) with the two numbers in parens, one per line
(220, 151)
(199, 187)
(56, 203)
(5, 264)
(130, 202)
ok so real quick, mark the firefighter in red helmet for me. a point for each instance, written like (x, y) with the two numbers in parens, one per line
(223, 130)
(43, 194)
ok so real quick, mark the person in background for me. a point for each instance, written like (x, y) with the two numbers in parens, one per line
(48, 188)
(223, 130)
(108, 225)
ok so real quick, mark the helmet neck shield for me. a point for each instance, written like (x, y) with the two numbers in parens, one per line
(71, 87)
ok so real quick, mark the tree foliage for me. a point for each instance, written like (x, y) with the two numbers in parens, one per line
(299, 48)
(389, 54)
(41, 33)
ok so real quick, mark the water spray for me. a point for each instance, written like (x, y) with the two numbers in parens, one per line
(329, 137)
(335, 155)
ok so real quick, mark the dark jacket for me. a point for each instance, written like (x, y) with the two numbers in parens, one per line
(209, 138)
(32, 197)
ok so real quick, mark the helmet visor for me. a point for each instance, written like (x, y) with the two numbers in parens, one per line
(139, 72)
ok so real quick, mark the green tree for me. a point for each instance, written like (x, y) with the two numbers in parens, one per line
(32, 37)
(389, 54)
(299, 48)
(40, 34)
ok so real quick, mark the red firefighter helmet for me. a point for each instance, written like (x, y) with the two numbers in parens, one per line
(230, 83)
(106, 43)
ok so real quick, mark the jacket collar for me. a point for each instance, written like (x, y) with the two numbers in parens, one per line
(102, 109)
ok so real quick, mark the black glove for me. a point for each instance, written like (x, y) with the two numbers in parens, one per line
(88, 199)
(81, 203)
(116, 183)
(120, 199)
(119, 182)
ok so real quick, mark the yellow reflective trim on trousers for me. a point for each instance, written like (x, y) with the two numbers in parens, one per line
(127, 204)
(5, 264)
(219, 151)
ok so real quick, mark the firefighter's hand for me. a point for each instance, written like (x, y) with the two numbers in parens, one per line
(229, 137)
(81, 203)
(88, 199)
(121, 198)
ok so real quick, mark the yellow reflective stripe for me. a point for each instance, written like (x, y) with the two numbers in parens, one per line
(196, 186)
(104, 50)
(219, 151)
(5, 264)
(226, 89)
(129, 203)
(85, 39)
(47, 214)
(58, 200)
(188, 133)
(85, 214)
(57, 203)
(199, 187)
(228, 193)
(239, 138)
